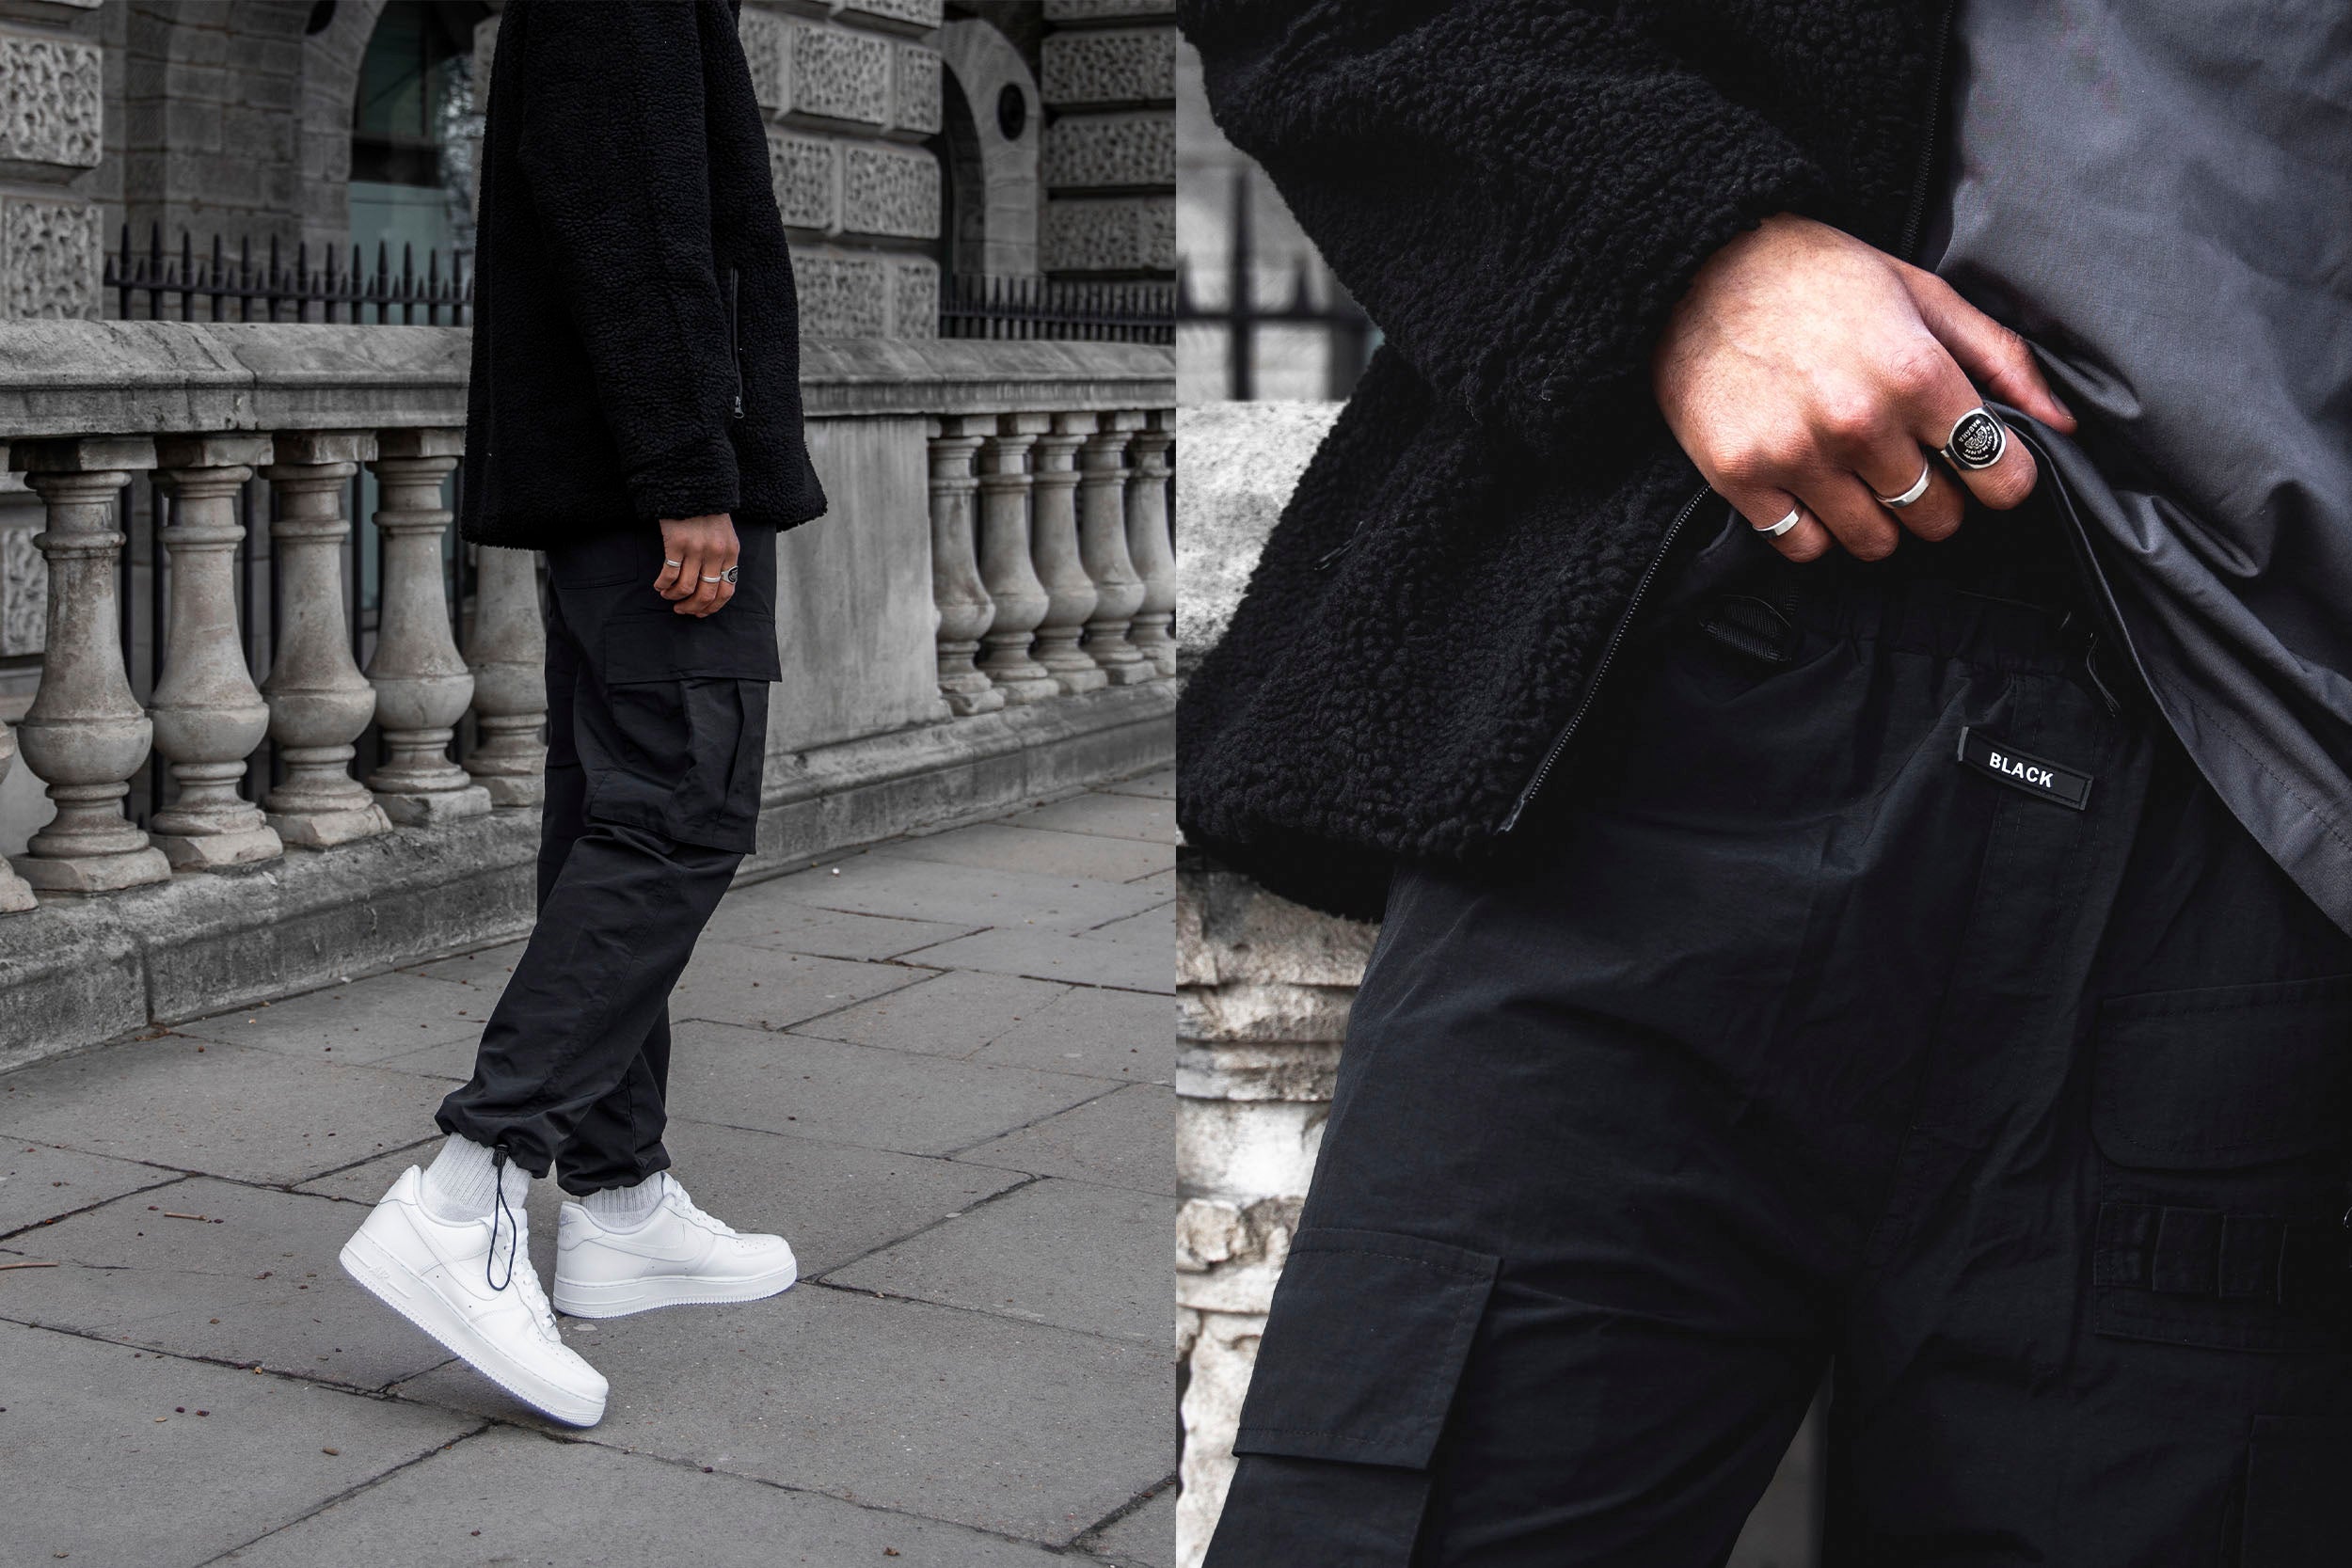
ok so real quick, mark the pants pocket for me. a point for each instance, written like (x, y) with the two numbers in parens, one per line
(1362, 1353)
(2295, 1511)
(2219, 1117)
(674, 744)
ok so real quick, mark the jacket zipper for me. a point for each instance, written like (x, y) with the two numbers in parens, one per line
(734, 339)
(1641, 589)
(1608, 655)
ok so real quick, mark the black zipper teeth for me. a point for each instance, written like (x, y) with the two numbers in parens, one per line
(734, 336)
(1608, 655)
(1927, 139)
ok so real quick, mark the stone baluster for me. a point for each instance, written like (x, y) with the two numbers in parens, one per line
(1149, 544)
(208, 714)
(422, 686)
(1069, 596)
(1004, 565)
(508, 656)
(957, 594)
(319, 702)
(1102, 545)
(85, 735)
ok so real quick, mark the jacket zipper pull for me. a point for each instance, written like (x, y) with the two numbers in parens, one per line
(735, 336)
(1323, 561)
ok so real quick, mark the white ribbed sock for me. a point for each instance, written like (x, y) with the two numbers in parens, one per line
(462, 1183)
(626, 1208)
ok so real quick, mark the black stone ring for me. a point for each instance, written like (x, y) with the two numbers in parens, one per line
(1978, 442)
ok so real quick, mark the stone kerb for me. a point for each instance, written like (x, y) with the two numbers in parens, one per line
(1263, 987)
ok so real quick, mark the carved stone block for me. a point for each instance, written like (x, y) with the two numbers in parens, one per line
(842, 296)
(1119, 234)
(915, 104)
(1093, 10)
(914, 298)
(805, 173)
(50, 257)
(889, 190)
(919, 13)
(24, 593)
(1118, 66)
(50, 101)
(839, 74)
(767, 48)
(1111, 149)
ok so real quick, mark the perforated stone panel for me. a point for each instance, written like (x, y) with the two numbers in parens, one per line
(1137, 148)
(889, 190)
(1124, 235)
(767, 49)
(50, 253)
(840, 74)
(842, 296)
(914, 89)
(49, 101)
(915, 304)
(804, 171)
(1121, 66)
(23, 593)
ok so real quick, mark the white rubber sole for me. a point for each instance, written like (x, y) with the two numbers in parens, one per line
(400, 1288)
(619, 1298)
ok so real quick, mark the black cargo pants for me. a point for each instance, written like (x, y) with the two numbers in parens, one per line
(657, 724)
(2006, 1074)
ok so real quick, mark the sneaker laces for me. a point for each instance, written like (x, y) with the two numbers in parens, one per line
(693, 1211)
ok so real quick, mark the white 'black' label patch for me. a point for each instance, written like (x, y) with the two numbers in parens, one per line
(2034, 775)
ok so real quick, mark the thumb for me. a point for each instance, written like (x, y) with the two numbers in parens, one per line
(1995, 359)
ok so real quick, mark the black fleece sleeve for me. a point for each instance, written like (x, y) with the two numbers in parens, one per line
(613, 153)
(1516, 191)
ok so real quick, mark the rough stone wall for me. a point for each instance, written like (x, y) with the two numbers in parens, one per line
(53, 137)
(1108, 78)
(850, 91)
(212, 99)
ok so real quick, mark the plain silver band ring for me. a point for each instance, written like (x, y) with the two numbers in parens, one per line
(673, 563)
(1918, 488)
(1774, 531)
(727, 576)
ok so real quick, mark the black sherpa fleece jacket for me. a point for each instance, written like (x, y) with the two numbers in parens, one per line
(1517, 191)
(636, 340)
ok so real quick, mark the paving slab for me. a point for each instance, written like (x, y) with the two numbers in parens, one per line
(832, 1201)
(230, 1110)
(727, 983)
(1127, 1139)
(1018, 1427)
(362, 1021)
(752, 918)
(996, 846)
(1067, 1252)
(819, 1088)
(510, 1497)
(109, 1462)
(251, 1280)
(38, 1182)
(961, 895)
(1100, 1032)
(953, 1014)
(1113, 813)
(1154, 929)
(1160, 784)
(485, 969)
(1051, 955)
(1144, 1539)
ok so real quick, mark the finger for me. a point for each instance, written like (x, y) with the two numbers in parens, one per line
(687, 555)
(2006, 483)
(1936, 512)
(668, 577)
(1851, 512)
(706, 597)
(1763, 506)
(1991, 355)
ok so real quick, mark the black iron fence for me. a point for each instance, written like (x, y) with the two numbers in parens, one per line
(1009, 307)
(1240, 320)
(214, 284)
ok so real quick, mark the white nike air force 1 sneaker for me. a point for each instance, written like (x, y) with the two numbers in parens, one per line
(481, 1300)
(676, 1256)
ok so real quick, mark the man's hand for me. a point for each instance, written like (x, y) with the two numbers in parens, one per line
(1804, 368)
(696, 553)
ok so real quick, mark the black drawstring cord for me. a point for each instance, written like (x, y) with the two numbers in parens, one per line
(498, 1172)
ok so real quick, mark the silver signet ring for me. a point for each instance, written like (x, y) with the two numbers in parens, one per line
(1978, 442)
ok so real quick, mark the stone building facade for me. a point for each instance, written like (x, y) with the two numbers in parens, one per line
(1013, 137)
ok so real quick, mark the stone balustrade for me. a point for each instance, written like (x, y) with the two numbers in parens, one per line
(1043, 551)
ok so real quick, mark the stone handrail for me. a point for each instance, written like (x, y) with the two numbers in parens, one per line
(1065, 572)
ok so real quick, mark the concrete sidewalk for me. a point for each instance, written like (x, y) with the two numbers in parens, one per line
(941, 1066)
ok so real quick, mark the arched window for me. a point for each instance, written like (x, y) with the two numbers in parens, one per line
(410, 171)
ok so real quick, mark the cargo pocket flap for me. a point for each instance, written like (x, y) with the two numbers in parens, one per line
(2224, 1076)
(1363, 1349)
(735, 642)
(2295, 1513)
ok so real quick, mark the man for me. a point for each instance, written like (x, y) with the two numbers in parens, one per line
(635, 413)
(1861, 847)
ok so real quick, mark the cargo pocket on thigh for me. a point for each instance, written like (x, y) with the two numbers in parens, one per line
(2219, 1117)
(1362, 1352)
(687, 709)
(2295, 1510)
